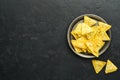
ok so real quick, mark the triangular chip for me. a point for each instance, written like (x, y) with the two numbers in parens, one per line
(81, 29)
(85, 29)
(78, 28)
(104, 26)
(81, 42)
(98, 65)
(92, 34)
(84, 50)
(89, 21)
(110, 67)
(91, 46)
(83, 38)
(103, 36)
(79, 45)
(74, 35)
(75, 45)
(99, 45)
(78, 49)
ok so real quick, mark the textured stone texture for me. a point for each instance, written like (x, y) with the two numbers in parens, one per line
(33, 43)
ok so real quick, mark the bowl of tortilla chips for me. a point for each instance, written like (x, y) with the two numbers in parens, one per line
(89, 36)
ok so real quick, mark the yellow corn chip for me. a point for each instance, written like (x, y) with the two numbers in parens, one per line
(98, 65)
(93, 34)
(91, 46)
(90, 35)
(84, 50)
(77, 32)
(78, 29)
(81, 42)
(82, 29)
(83, 38)
(78, 49)
(74, 35)
(104, 26)
(85, 29)
(98, 44)
(110, 67)
(89, 21)
(94, 46)
(79, 45)
(75, 45)
(103, 36)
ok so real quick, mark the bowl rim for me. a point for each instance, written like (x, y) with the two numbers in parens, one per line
(71, 27)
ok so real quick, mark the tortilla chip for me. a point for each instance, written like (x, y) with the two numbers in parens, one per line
(99, 34)
(103, 36)
(104, 26)
(75, 45)
(82, 45)
(91, 46)
(78, 29)
(98, 44)
(85, 29)
(74, 35)
(93, 34)
(98, 65)
(78, 49)
(83, 38)
(89, 21)
(94, 46)
(110, 67)
(79, 45)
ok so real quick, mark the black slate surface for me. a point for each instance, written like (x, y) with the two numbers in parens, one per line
(33, 43)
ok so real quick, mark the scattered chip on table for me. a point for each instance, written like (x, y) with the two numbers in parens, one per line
(98, 65)
(110, 67)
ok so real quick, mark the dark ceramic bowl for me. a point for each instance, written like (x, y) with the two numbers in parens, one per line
(70, 37)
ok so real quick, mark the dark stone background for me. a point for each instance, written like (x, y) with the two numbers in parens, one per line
(33, 43)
